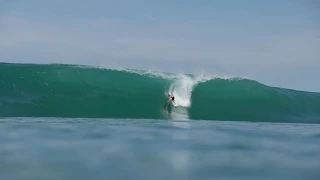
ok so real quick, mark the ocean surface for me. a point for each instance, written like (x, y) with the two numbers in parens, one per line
(79, 122)
(71, 148)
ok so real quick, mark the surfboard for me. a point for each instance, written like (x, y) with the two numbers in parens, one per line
(173, 104)
(169, 105)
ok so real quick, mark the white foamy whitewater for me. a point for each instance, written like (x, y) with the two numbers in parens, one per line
(182, 88)
(182, 85)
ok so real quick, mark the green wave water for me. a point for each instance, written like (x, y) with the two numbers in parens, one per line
(29, 90)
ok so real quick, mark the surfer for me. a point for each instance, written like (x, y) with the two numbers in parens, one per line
(171, 98)
(169, 105)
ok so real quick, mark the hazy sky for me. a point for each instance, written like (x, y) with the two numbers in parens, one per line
(276, 42)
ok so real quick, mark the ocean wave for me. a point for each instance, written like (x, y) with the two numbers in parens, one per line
(55, 90)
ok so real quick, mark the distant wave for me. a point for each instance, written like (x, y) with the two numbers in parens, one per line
(29, 90)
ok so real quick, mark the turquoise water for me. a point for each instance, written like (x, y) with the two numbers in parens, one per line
(74, 148)
(79, 122)
(29, 90)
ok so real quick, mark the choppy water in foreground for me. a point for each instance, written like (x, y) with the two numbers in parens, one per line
(69, 148)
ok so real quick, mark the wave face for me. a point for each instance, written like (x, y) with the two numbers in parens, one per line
(28, 90)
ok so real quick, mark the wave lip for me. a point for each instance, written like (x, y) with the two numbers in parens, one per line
(28, 90)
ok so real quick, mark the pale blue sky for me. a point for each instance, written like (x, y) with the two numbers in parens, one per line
(276, 42)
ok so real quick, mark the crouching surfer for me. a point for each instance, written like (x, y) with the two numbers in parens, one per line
(170, 103)
(171, 98)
